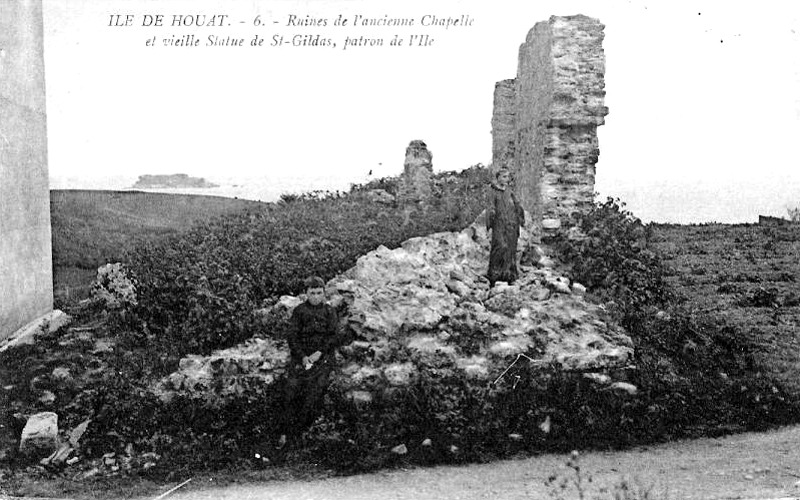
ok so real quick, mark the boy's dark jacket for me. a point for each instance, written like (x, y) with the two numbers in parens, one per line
(313, 328)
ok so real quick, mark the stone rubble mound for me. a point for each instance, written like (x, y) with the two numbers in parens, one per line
(428, 303)
(227, 373)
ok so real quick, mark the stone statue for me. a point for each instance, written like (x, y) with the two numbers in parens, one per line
(504, 217)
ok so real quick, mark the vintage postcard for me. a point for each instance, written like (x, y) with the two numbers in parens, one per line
(358, 249)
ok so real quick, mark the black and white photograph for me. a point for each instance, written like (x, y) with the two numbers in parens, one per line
(351, 249)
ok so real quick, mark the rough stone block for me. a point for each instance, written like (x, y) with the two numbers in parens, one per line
(48, 323)
(40, 435)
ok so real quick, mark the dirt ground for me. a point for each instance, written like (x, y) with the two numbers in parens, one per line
(744, 466)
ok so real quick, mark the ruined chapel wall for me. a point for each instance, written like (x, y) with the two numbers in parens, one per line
(26, 283)
(577, 109)
(534, 95)
(504, 124)
(557, 106)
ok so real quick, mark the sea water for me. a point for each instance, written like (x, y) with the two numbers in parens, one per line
(247, 188)
(679, 202)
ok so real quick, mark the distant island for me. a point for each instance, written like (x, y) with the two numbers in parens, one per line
(172, 181)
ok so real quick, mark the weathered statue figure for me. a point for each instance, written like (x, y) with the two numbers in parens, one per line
(504, 217)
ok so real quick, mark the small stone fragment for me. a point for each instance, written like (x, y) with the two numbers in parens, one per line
(578, 289)
(40, 435)
(599, 378)
(61, 374)
(545, 426)
(47, 398)
(102, 345)
(551, 223)
(458, 287)
(399, 375)
(624, 388)
(542, 294)
(400, 449)
(88, 474)
(360, 397)
(560, 287)
(59, 456)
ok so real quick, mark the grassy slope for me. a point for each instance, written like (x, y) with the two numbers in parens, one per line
(748, 275)
(91, 228)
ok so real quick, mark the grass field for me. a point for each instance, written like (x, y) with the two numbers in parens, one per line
(91, 228)
(747, 274)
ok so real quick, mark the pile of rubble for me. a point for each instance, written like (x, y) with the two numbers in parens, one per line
(428, 302)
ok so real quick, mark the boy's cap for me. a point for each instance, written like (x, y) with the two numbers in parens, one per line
(314, 282)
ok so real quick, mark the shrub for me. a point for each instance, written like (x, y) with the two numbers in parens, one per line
(685, 359)
(729, 288)
(113, 287)
(762, 297)
(614, 260)
(198, 290)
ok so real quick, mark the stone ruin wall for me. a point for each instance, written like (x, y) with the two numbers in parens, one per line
(415, 183)
(26, 280)
(544, 125)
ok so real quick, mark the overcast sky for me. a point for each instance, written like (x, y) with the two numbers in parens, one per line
(704, 97)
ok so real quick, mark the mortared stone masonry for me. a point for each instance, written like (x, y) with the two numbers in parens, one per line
(544, 125)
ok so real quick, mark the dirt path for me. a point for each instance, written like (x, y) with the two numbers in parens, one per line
(753, 465)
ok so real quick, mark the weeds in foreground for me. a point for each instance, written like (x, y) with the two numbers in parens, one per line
(577, 483)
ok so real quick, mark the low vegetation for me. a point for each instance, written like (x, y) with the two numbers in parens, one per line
(699, 373)
(699, 370)
(198, 290)
(91, 228)
(746, 276)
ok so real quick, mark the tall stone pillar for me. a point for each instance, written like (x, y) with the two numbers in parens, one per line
(415, 183)
(554, 109)
(26, 275)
